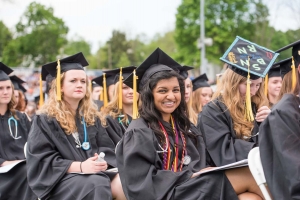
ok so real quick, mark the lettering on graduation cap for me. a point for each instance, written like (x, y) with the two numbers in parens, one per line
(241, 50)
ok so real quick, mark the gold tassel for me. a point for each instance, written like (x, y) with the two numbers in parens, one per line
(266, 84)
(105, 101)
(293, 74)
(248, 110)
(41, 103)
(101, 94)
(135, 107)
(120, 90)
(58, 86)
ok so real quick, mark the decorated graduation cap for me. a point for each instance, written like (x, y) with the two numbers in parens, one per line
(249, 60)
(183, 71)
(295, 59)
(157, 61)
(55, 69)
(200, 81)
(17, 82)
(4, 72)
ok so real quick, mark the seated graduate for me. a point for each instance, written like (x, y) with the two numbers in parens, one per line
(273, 83)
(188, 97)
(161, 151)
(14, 132)
(119, 110)
(230, 122)
(279, 137)
(202, 93)
(96, 94)
(66, 138)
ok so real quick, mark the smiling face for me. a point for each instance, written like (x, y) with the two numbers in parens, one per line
(274, 86)
(127, 97)
(74, 85)
(167, 97)
(6, 92)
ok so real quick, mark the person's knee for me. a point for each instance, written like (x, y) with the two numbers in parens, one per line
(249, 196)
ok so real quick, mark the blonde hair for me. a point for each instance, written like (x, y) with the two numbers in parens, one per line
(287, 87)
(62, 113)
(228, 93)
(197, 106)
(112, 109)
(193, 116)
(21, 106)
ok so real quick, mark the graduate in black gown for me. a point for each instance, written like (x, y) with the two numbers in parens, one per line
(161, 151)
(66, 138)
(280, 144)
(230, 122)
(273, 83)
(14, 128)
(96, 91)
(119, 110)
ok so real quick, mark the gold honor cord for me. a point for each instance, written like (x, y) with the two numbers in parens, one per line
(266, 84)
(248, 110)
(41, 102)
(135, 108)
(105, 101)
(293, 74)
(120, 90)
(58, 86)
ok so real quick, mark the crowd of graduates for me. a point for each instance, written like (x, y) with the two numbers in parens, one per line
(150, 132)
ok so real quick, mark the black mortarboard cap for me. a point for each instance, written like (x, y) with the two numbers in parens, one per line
(200, 81)
(17, 82)
(183, 71)
(274, 72)
(4, 72)
(74, 62)
(295, 51)
(126, 71)
(109, 80)
(261, 58)
(156, 62)
(285, 66)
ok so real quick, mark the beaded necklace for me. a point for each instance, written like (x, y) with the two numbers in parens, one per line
(167, 155)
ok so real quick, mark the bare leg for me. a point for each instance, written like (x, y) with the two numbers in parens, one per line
(116, 188)
(242, 181)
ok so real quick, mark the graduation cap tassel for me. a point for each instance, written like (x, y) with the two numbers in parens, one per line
(58, 86)
(248, 110)
(120, 90)
(41, 102)
(266, 84)
(101, 94)
(105, 100)
(293, 74)
(135, 107)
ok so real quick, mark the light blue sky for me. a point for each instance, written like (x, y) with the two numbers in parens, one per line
(94, 20)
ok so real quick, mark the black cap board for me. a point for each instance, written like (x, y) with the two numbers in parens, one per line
(200, 82)
(156, 62)
(183, 71)
(17, 82)
(295, 51)
(4, 72)
(126, 71)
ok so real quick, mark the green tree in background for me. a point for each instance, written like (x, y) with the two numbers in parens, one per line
(40, 35)
(77, 45)
(225, 19)
(5, 37)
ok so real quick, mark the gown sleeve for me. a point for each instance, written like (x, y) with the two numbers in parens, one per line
(279, 149)
(114, 130)
(45, 165)
(140, 167)
(221, 142)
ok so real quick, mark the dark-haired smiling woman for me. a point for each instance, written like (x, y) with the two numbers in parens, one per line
(161, 151)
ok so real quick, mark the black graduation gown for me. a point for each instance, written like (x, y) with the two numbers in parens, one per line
(13, 184)
(280, 148)
(223, 146)
(99, 104)
(142, 177)
(50, 153)
(115, 129)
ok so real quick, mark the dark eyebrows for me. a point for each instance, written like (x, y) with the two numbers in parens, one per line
(162, 87)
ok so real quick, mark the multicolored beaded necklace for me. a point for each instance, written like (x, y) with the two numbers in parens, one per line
(167, 154)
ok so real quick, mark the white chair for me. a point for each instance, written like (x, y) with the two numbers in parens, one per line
(25, 147)
(257, 171)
